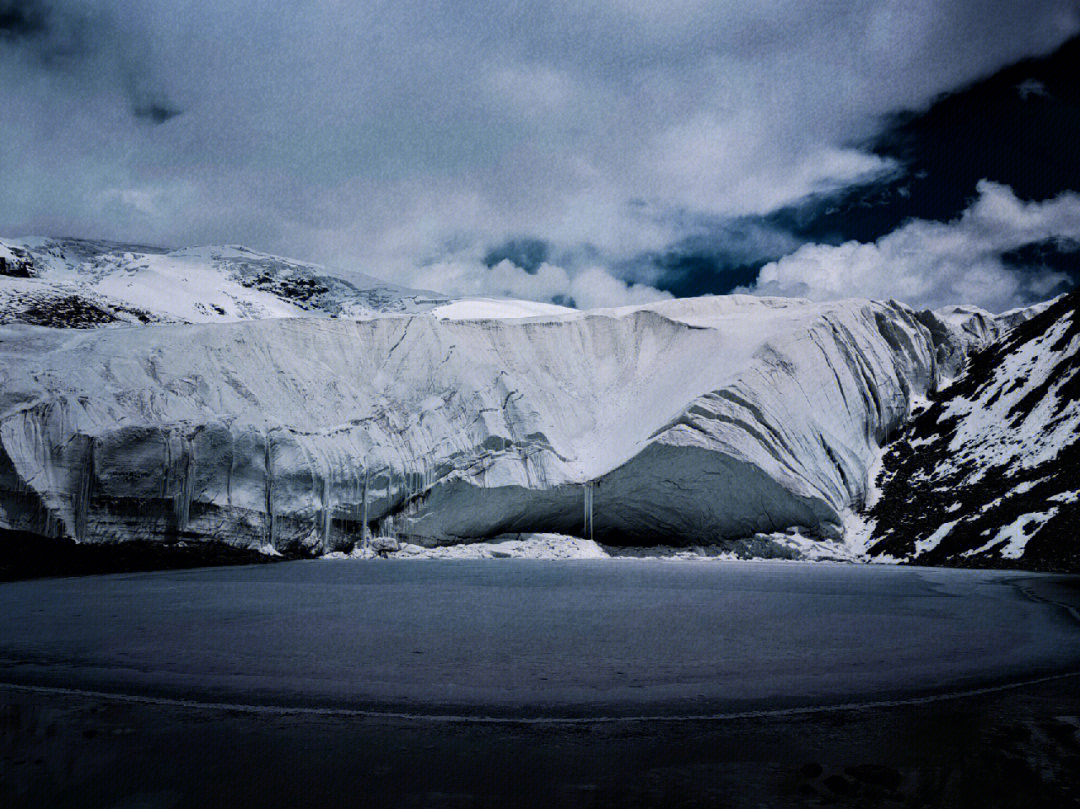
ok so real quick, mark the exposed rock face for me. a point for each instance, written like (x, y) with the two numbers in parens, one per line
(682, 422)
(15, 262)
(64, 306)
(989, 473)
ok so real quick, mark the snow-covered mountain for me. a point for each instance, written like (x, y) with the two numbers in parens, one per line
(988, 473)
(253, 400)
(81, 283)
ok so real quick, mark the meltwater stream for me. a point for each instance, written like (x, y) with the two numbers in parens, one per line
(522, 638)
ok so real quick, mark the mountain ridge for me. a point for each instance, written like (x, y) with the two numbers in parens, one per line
(216, 283)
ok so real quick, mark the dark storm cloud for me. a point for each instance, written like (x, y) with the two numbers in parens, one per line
(87, 46)
(525, 252)
(1004, 141)
(48, 34)
(155, 113)
(543, 148)
(1013, 128)
(988, 130)
(20, 19)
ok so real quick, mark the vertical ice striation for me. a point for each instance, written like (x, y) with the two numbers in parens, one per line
(179, 479)
(83, 490)
(327, 512)
(268, 464)
(365, 536)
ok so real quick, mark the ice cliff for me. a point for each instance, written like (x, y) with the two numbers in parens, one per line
(682, 422)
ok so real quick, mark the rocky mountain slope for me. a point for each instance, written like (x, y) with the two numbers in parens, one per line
(989, 473)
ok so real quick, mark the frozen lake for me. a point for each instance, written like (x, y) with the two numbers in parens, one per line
(523, 638)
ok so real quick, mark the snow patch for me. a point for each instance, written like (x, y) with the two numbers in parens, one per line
(205, 284)
(496, 308)
(512, 546)
(932, 541)
(1065, 497)
(1018, 532)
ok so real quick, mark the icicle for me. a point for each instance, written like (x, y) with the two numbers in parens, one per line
(364, 536)
(327, 511)
(385, 526)
(186, 490)
(585, 525)
(588, 532)
(271, 527)
(229, 471)
(592, 510)
(399, 503)
(84, 491)
(167, 469)
(350, 498)
(414, 491)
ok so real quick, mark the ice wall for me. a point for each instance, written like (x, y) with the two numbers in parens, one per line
(679, 422)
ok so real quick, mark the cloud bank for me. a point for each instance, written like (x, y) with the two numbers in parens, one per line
(588, 288)
(397, 137)
(932, 264)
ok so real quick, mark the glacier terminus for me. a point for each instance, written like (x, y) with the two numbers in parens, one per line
(678, 423)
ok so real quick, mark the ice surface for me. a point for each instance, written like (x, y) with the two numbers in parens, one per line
(486, 308)
(682, 422)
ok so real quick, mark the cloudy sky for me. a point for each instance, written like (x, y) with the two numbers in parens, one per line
(584, 152)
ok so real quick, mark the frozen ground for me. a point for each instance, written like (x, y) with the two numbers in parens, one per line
(519, 637)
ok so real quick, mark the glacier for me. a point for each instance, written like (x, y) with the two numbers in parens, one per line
(681, 422)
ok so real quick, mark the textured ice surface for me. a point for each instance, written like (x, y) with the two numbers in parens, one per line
(688, 421)
(481, 308)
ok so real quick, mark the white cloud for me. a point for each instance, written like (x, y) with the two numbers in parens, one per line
(590, 288)
(931, 264)
(701, 165)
